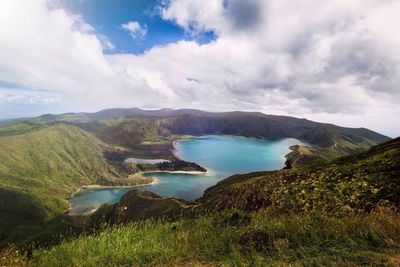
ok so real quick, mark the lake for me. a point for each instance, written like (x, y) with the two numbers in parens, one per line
(221, 155)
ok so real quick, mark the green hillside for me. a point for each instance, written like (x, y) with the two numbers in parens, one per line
(40, 167)
(342, 212)
(52, 161)
(351, 184)
(222, 240)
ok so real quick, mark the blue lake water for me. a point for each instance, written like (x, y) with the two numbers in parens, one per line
(222, 156)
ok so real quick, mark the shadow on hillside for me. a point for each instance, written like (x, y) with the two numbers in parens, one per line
(20, 215)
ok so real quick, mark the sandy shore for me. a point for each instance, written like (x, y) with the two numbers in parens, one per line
(183, 172)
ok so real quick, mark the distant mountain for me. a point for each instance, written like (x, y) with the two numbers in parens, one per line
(4, 122)
(130, 127)
(110, 114)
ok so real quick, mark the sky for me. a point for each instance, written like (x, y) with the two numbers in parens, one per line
(335, 61)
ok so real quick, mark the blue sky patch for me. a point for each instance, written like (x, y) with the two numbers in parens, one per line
(108, 16)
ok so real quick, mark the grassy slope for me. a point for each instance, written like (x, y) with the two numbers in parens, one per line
(318, 214)
(232, 239)
(347, 184)
(19, 128)
(40, 167)
(143, 137)
(137, 205)
(55, 160)
(127, 131)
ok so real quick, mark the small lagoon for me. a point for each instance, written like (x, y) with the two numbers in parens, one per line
(221, 155)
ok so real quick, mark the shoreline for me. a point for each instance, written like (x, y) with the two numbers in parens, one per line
(97, 186)
(182, 172)
(182, 138)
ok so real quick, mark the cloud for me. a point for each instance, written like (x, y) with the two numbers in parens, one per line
(309, 58)
(331, 61)
(195, 16)
(136, 31)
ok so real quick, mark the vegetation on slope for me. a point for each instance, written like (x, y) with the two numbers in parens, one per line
(233, 239)
(19, 128)
(142, 137)
(355, 183)
(174, 165)
(138, 205)
(53, 161)
(40, 167)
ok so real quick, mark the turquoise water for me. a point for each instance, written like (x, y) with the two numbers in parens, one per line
(222, 156)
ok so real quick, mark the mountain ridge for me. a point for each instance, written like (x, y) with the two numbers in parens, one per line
(130, 127)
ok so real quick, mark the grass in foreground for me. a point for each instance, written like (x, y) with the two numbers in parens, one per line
(234, 239)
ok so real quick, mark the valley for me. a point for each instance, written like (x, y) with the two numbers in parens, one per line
(45, 160)
(222, 156)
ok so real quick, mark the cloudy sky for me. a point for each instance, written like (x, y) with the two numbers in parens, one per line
(335, 61)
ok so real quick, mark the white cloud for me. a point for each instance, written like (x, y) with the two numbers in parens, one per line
(334, 57)
(135, 30)
(194, 15)
(330, 59)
